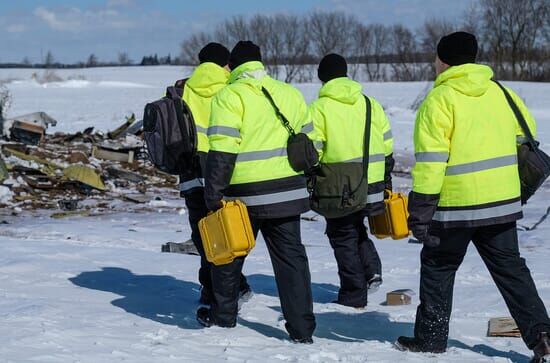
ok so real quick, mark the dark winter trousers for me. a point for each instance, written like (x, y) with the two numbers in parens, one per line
(498, 247)
(196, 207)
(356, 256)
(291, 268)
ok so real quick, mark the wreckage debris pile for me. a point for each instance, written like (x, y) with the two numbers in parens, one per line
(69, 171)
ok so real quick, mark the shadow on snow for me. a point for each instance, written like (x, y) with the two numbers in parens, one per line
(166, 300)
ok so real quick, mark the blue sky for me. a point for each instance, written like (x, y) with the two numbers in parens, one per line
(73, 29)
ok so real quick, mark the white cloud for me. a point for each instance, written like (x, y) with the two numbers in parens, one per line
(76, 20)
(63, 23)
(119, 3)
(16, 28)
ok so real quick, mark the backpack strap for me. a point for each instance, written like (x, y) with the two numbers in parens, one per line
(519, 116)
(281, 117)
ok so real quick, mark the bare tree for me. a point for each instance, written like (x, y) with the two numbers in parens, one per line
(406, 63)
(331, 32)
(513, 30)
(124, 59)
(295, 44)
(49, 60)
(92, 61)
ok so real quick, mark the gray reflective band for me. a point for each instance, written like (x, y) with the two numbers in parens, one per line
(482, 165)
(261, 155)
(477, 214)
(307, 128)
(388, 135)
(432, 157)
(522, 140)
(202, 130)
(190, 184)
(223, 130)
(375, 198)
(376, 158)
(319, 145)
(256, 200)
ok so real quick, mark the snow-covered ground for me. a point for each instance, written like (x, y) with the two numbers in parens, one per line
(97, 289)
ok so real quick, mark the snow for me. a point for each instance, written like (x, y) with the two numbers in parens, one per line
(97, 289)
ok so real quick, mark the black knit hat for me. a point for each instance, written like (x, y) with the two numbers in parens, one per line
(457, 48)
(215, 53)
(332, 66)
(244, 51)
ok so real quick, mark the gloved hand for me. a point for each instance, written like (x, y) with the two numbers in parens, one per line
(421, 232)
(214, 206)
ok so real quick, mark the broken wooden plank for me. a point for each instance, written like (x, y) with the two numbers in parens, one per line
(105, 154)
(186, 248)
(503, 327)
(125, 174)
(138, 198)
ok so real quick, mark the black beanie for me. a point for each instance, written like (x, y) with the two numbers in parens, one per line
(215, 53)
(332, 66)
(457, 48)
(244, 51)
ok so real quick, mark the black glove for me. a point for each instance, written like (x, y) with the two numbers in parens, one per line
(422, 233)
(214, 206)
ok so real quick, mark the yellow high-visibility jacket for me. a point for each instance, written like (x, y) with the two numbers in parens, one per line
(339, 116)
(248, 156)
(199, 90)
(465, 141)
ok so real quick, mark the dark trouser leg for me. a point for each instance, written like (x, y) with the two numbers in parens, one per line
(197, 210)
(368, 253)
(437, 276)
(498, 247)
(344, 236)
(226, 284)
(291, 268)
(227, 280)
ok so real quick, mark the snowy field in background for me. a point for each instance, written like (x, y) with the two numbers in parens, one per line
(97, 289)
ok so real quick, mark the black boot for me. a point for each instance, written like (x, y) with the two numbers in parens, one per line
(542, 349)
(416, 346)
(205, 319)
(374, 283)
(302, 340)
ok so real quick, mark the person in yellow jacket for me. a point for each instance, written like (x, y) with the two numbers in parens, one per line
(339, 116)
(198, 91)
(248, 161)
(466, 188)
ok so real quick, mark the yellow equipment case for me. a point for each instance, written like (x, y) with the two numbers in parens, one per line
(227, 233)
(393, 222)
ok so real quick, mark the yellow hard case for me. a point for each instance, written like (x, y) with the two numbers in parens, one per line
(393, 222)
(227, 233)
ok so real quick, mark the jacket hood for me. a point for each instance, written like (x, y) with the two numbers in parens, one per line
(252, 69)
(469, 79)
(207, 79)
(342, 90)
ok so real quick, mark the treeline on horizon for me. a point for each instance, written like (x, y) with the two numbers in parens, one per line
(514, 38)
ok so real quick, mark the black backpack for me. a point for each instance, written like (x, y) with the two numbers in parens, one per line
(170, 133)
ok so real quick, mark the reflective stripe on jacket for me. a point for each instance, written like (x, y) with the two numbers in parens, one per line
(339, 116)
(466, 151)
(247, 158)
